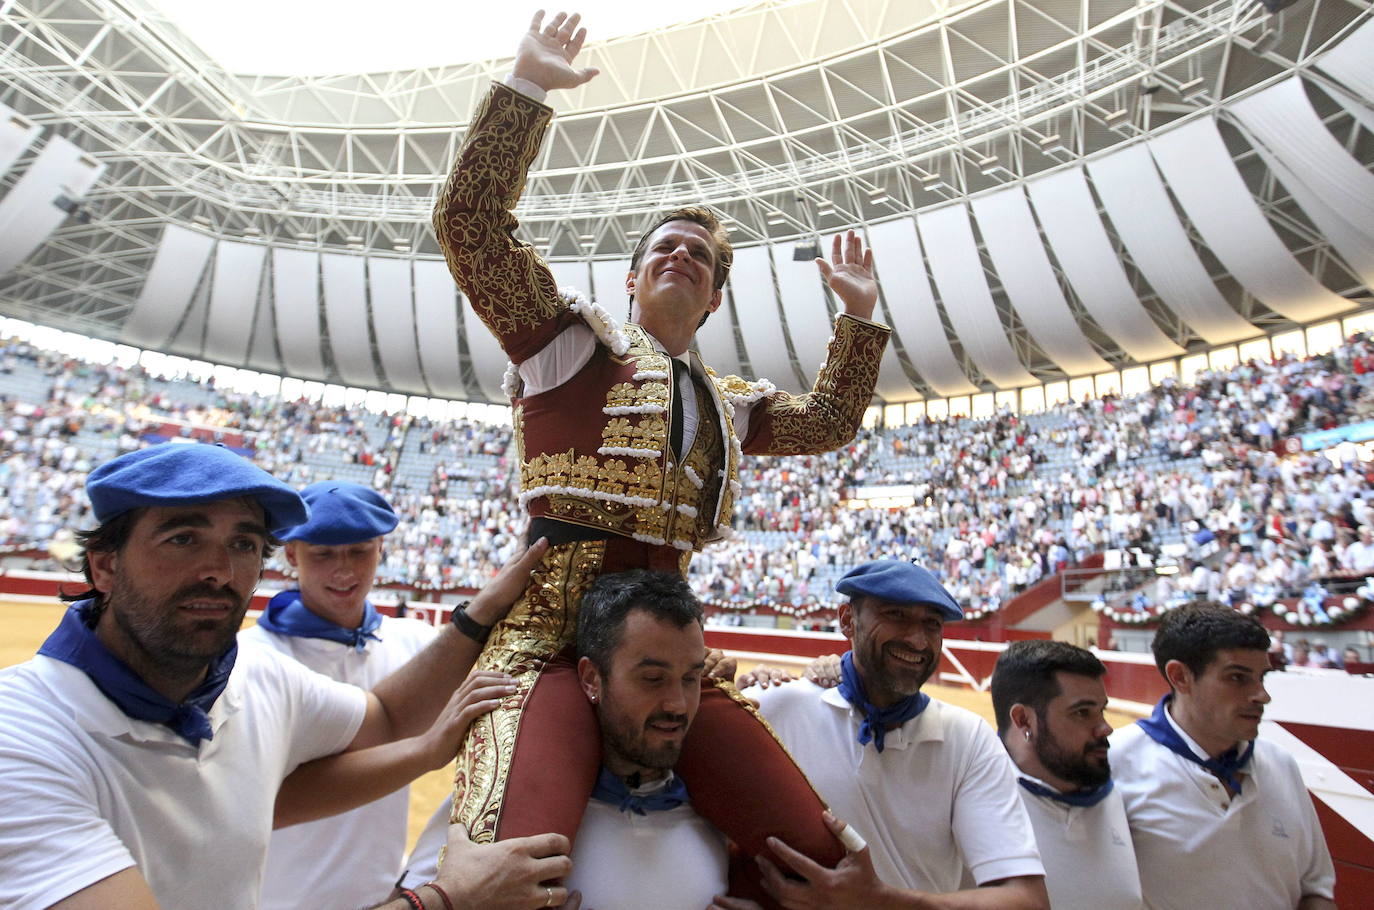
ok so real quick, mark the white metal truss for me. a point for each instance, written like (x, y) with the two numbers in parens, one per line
(791, 118)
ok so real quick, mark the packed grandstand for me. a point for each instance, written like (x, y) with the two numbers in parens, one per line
(1198, 476)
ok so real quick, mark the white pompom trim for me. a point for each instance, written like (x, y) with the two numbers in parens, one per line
(554, 489)
(605, 326)
(510, 381)
(758, 389)
(622, 409)
(632, 453)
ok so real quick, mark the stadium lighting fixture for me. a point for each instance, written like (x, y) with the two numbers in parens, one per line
(1192, 88)
(776, 218)
(305, 235)
(987, 164)
(1115, 116)
(201, 220)
(1052, 143)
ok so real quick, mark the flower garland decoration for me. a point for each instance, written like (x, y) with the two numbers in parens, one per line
(1136, 615)
(1313, 610)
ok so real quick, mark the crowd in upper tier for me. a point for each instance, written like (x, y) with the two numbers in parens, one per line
(997, 503)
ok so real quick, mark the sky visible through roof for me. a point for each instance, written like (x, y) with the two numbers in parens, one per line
(315, 38)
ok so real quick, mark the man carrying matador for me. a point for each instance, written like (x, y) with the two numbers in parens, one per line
(629, 450)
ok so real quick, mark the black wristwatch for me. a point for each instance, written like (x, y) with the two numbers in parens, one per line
(469, 626)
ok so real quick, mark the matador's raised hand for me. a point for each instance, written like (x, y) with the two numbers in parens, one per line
(546, 53)
(849, 273)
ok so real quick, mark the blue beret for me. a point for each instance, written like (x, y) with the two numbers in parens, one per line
(343, 513)
(179, 474)
(900, 583)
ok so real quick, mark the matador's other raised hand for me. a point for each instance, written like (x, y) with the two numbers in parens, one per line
(546, 53)
(849, 273)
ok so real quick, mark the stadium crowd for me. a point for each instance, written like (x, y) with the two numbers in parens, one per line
(996, 503)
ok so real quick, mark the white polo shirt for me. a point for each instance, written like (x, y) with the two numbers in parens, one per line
(668, 860)
(88, 791)
(352, 859)
(1198, 847)
(423, 863)
(940, 800)
(1089, 861)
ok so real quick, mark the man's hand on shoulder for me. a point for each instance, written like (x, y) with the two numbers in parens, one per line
(546, 53)
(824, 671)
(764, 676)
(719, 665)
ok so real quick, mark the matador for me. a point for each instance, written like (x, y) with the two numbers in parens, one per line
(629, 448)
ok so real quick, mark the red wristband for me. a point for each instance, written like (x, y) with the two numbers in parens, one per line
(443, 895)
(413, 899)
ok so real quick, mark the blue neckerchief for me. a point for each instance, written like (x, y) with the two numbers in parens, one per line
(1224, 766)
(874, 725)
(611, 789)
(1083, 799)
(73, 642)
(286, 614)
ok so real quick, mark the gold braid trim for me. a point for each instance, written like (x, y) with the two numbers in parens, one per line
(540, 624)
(830, 414)
(508, 284)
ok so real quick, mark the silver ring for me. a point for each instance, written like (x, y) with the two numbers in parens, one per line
(548, 896)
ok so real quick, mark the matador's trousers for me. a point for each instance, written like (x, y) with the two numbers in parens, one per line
(529, 766)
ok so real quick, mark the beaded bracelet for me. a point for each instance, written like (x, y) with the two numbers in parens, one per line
(443, 895)
(413, 899)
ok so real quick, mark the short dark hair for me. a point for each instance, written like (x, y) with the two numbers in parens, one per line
(601, 618)
(697, 214)
(111, 537)
(1025, 674)
(1194, 633)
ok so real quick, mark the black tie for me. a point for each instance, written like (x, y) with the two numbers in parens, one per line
(675, 431)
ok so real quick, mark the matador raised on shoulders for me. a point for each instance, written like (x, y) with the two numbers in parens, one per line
(629, 449)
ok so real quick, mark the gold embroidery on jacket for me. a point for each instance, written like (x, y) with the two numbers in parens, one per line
(826, 417)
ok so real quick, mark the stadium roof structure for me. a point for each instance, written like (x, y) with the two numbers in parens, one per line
(1053, 188)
